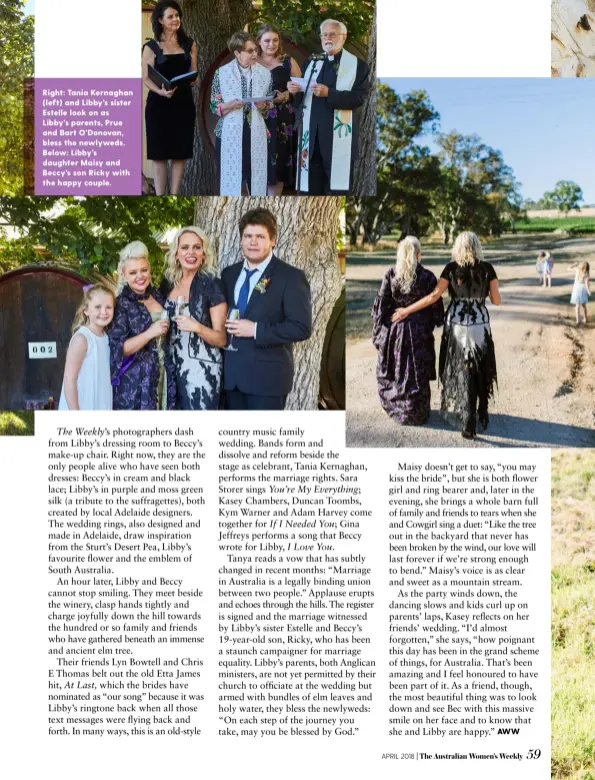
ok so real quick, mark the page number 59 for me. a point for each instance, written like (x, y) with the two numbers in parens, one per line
(534, 753)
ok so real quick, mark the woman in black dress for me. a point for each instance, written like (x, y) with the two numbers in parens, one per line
(467, 363)
(281, 116)
(169, 114)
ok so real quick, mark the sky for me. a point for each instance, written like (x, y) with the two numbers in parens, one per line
(29, 6)
(545, 128)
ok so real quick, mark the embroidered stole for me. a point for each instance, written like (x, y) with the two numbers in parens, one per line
(233, 126)
(342, 126)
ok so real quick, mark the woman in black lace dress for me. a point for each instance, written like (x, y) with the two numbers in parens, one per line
(169, 114)
(467, 363)
(197, 308)
(281, 116)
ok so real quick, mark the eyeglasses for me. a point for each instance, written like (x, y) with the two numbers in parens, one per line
(250, 51)
(332, 36)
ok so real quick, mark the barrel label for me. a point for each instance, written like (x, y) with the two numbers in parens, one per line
(42, 349)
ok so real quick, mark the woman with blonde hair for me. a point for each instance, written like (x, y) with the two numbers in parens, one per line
(467, 364)
(196, 304)
(142, 373)
(406, 355)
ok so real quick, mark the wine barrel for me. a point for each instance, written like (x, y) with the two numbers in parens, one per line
(332, 369)
(37, 306)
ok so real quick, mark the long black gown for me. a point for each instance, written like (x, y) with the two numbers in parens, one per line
(170, 121)
(279, 123)
(406, 355)
(467, 363)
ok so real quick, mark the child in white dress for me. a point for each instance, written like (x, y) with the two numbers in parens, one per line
(580, 291)
(545, 267)
(87, 381)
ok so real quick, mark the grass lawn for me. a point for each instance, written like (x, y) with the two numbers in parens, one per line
(574, 225)
(16, 424)
(573, 615)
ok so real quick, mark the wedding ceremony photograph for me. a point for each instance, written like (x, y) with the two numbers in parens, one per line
(235, 99)
(189, 303)
(469, 320)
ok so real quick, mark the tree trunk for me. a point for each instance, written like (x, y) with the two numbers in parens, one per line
(364, 175)
(211, 24)
(572, 41)
(354, 217)
(307, 238)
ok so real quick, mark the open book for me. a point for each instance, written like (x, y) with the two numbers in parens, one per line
(161, 81)
(266, 99)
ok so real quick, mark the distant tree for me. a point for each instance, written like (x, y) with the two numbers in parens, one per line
(16, 65)
(565, 196)
(477, 190)
(407, 171)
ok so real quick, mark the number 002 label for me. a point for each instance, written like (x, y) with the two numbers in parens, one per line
(42, 349)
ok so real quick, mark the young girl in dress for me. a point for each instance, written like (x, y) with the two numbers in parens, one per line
(87, 381)
(545, 267)
(580, 290)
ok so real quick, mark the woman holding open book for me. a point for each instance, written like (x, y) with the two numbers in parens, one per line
(169, 113)
(241, 133)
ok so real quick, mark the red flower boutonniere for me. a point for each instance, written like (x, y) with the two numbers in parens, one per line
(262, 284)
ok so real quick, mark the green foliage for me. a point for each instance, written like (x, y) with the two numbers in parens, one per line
(16, 65)
(466, 185)
(17, 424)
(407, 171)
(565, 196)
(89, 231)
(301, 20)
(16, 252)
(477, 189)
(573, 670)
(574, 226)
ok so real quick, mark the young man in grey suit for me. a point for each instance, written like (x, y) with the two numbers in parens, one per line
(275, 311)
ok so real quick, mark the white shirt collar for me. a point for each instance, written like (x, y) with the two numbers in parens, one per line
(261, 266)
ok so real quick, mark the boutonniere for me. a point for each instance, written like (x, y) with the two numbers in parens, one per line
(262, 284)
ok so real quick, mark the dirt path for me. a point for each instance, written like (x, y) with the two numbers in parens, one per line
(546, 366)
